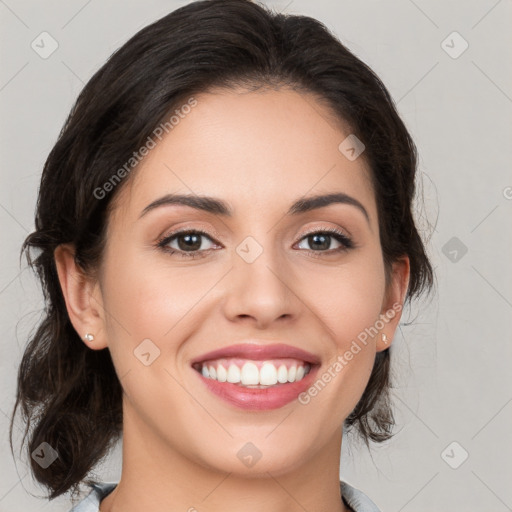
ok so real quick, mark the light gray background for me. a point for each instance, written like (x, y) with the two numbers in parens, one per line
(452, 366)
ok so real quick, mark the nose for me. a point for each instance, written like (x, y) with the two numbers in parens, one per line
(260, 292)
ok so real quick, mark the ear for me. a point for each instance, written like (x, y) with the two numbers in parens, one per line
(82, 295)
(392, 305)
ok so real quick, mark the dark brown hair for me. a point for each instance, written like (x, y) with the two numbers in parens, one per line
(69, 395)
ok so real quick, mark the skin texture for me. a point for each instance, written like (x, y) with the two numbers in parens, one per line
(260, 152)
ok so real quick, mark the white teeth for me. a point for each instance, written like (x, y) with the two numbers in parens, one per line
(233, 374)
(282, 374)
(268, 375)
(221, 373)
(250, 375)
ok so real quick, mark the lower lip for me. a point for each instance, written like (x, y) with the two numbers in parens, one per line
(259, 399)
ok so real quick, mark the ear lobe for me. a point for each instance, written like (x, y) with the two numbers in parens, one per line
(393, 303)
(82, 296)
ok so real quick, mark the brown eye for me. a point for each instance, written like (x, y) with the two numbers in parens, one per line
(189, 243)
(321, 241)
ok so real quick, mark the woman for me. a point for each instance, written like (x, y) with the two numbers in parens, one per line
(226, 243)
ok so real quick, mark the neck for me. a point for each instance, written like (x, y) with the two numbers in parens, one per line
(158, 477)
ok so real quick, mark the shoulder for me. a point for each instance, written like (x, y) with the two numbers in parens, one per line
(356, 499)
(91, 503)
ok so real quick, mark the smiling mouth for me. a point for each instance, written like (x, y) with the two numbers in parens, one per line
(258, 374)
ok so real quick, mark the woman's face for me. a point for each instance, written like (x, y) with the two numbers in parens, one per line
(256, 278)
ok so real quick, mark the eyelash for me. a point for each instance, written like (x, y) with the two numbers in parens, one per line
(346, 242)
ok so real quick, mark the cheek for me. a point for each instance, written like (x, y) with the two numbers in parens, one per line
(148, 299)
(348, 304)
(156, 302)
(347, 300)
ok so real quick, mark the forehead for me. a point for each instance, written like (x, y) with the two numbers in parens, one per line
(260, 151)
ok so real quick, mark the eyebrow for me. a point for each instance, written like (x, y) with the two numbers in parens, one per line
(219, 207)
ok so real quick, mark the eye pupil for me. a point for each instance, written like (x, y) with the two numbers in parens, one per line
(193, 242)
(324, 244)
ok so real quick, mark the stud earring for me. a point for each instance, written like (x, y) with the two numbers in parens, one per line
(384, 338)
(88, 337)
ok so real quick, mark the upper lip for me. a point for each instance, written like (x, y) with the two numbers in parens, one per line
(257, 351)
